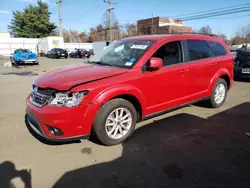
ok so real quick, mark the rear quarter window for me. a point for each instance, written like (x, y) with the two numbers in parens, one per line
(198, 49)
(216, 48)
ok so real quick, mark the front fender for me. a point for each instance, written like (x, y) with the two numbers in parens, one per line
(217, 75)
(118, 90)
(16, 57)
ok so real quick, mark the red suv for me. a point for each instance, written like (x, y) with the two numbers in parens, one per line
(127, 82)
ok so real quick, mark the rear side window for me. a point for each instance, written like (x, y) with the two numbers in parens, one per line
(216, 48)
(198, 49)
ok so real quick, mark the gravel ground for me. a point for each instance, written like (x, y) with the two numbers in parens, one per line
(192, 147)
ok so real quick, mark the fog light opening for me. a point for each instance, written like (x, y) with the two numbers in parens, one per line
(54, 131)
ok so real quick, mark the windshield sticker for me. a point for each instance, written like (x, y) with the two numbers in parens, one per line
(128, 63)
(138, 46)
(132, 59)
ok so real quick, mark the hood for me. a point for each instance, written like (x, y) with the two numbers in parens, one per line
(67, 77)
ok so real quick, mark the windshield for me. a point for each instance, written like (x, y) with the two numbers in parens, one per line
(22, 50)
(124, 53)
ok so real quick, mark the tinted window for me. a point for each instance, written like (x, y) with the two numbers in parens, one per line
(198, 49)
(170, 53)
(216, 48)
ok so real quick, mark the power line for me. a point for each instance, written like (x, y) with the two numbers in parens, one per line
(207, 11)
(232, 17)
(88, 11)
(214, 12)
(222, 13)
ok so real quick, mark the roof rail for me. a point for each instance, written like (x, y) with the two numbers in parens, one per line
(213, 35)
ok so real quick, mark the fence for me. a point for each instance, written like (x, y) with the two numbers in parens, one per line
(72, 46)
(8, 45)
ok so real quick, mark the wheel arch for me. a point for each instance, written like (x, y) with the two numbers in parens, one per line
(127, 92)
(134, 101)
(222, 73)
(227, 79)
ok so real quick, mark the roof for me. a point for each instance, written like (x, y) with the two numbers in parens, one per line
(164, 36)
(150, 37)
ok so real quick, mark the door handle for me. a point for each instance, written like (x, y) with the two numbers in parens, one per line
(214, 63)
(184, 71)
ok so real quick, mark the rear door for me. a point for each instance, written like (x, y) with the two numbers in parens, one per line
(219, 53)
(202, 68)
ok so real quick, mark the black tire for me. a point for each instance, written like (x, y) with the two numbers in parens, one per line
(12, 60)
(212, 102)
(102, 115)
(66, 57)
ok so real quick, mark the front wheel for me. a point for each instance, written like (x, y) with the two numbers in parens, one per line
(219, 94)
(115, 121)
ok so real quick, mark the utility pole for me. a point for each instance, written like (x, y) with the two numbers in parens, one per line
(59, 2)
(110, 16)
(152, 23)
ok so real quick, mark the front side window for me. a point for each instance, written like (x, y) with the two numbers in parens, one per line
(198, 49)
(124, 53)
(170, 53)
(216, 48)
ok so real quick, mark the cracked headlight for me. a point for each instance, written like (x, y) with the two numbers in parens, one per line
(67, 99)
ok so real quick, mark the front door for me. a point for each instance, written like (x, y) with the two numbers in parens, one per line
(166, 88)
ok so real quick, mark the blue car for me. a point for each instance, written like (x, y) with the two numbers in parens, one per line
(23, 56)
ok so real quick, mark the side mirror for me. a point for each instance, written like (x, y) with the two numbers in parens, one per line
(155, 63)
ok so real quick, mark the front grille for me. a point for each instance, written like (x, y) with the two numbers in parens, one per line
(42, 91)
(40, 96)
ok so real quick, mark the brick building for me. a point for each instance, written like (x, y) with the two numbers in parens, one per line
(161, 25)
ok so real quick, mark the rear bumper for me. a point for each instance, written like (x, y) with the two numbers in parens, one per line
(238, 73)
(63, 55)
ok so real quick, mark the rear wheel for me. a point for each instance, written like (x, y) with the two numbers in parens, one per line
(115, 121)
(219, 94)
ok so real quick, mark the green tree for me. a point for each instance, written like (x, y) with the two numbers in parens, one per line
(32, 22)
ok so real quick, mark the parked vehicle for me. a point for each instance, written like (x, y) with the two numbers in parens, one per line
(85, 53)
(75, 53)
(129, 81)
(23, 56)
(47, 43)
(79, 53)
(57, 53)
(242, 63)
